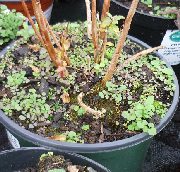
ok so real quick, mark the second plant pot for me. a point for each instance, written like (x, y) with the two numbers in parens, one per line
(150, 29)
(20, 159)
(47, 6)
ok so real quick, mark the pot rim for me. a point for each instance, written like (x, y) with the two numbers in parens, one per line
(96, 147)
(142, 13)
(8, 46)
(59, 152)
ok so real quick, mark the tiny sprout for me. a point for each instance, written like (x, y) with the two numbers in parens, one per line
(85, 127)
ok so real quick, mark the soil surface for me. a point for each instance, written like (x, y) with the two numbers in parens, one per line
(48, 163)
(39, 99)
(162, 5)
(64, 118)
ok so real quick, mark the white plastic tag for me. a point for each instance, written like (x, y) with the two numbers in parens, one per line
(171, 41)
(14, 142)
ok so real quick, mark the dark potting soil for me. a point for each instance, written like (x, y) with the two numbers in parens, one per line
(58, 124)
(163, 4)
(52, 162)
(109, 128)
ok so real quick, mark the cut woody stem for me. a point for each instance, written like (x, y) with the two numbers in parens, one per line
(136, 57)
(42, 20)
(120, 44)
(56, 41)
(101, 137)
(99, 56)
(94, 28)
(45, 32)
(96, 113)
(89, 23)
(105, 9)
(140, 54)
(32, 22)
(41, 35)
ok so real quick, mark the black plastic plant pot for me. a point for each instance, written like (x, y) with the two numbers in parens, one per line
(71, 11)
(5, 48)
(19, 159)
(125, 155)
(150, 29)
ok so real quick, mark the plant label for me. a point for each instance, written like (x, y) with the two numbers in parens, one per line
(13, 141)
(171, 42)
